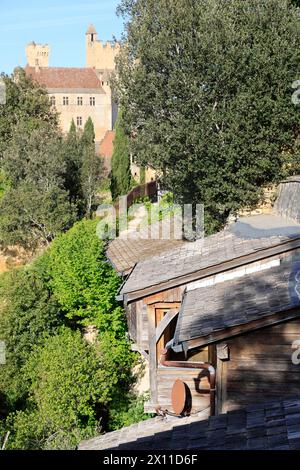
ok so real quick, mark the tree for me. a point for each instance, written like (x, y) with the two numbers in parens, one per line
(33, 219)
(91, 167)
(83, 281)
(73, 158)
(37, 205)
(28, 312)
(88, 136)
(121, 179)
(26, 102)
(206, 92)
(66, 382)
(43, 178)
(56, 387)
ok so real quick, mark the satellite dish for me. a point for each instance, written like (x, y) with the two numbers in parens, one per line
(180, 397)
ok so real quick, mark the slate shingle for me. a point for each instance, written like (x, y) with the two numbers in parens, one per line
(238, 301)
(231, 431)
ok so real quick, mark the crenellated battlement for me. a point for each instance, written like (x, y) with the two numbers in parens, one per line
(37, 54)
(100, 54)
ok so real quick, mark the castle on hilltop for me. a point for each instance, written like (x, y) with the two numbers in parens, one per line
(79, 93)
(83, 92)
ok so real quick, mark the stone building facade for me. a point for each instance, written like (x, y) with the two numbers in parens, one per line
(78, 93)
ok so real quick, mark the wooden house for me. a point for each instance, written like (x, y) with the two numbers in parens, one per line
(221, 314)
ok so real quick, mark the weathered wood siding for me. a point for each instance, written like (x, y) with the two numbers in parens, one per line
(137, 317)
(132, 321)
(261, 367)
(194, 379)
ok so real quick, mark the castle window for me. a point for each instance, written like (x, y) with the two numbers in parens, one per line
(79, 121)
(92, 101)
(66, 101)
(52, 100)
(79, 101)
(92, 38)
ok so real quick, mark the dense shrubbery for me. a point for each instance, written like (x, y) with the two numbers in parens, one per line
(57, 389)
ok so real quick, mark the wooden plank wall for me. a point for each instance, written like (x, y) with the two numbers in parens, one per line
(132, 322)
(194, 379)
(260, 365)
(138, 323)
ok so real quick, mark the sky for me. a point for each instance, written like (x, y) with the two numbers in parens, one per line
(60, 23)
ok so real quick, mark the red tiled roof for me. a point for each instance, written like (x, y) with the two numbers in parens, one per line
(107, 144)
(64, 77)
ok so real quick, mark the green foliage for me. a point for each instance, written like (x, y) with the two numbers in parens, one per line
(26, 103)
(72, 156)
(66, 380)
(143, 175)
(28, 312)
(49, 180)
(90, 177)
(129, 409)
(121, 179)
(37, 204)
(91, 167)
(83, 281)
(56, 388)
(206, 91)
(30, 217)
(72, 130)
(65, 383)
(4, 184)
(88, 136)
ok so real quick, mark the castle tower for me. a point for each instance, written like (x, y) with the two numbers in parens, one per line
(99, 55)
(37, 55)
(91, 34)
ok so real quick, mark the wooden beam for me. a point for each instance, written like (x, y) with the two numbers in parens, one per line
(136, 348)
(152, 353)
(221, 378)
(224, 266)
(227, 333)
(165, 323)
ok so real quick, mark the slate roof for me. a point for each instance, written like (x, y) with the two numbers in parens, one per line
(249, 235)
(214, 250)
(206, 310)
(65, 78)
(274, 425)
(124, 254)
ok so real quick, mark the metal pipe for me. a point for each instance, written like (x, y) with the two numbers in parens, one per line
(194, 365)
